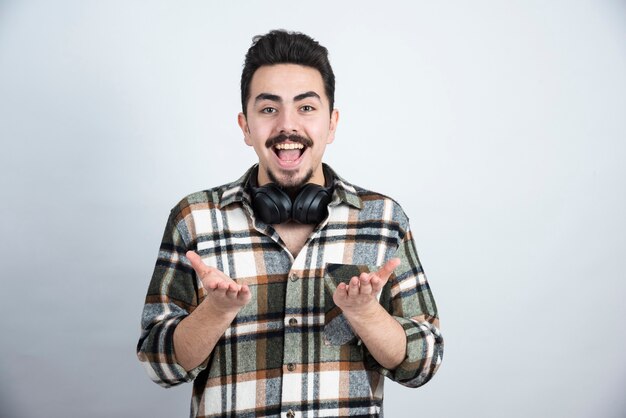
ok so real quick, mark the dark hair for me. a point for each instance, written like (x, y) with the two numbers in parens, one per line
(283, 47)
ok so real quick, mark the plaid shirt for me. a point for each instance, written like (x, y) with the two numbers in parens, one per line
(289, 352)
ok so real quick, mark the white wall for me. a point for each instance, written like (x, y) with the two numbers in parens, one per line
(499, 126)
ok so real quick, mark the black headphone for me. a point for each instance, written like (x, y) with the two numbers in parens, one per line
(273, 206)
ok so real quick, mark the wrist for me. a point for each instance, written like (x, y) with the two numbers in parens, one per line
(364, 312)
(211, 309)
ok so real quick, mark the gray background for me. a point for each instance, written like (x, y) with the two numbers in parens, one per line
(499, 126)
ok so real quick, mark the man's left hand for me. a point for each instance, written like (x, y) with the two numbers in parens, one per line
(362, 290)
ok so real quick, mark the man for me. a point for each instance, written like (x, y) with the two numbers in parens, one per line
(289, 292)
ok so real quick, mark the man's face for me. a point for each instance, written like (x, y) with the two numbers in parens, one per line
(289, 124)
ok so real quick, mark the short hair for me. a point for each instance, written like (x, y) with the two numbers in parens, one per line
(284, 47)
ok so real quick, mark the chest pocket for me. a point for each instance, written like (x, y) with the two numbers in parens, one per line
(337, 330)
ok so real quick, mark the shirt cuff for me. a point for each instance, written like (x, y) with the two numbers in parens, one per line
(424, 351)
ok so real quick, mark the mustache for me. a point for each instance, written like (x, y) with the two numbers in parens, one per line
(275, 140)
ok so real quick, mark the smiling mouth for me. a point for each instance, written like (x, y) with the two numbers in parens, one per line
(289, 152)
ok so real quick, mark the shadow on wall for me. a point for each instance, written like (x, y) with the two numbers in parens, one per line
(7, 409)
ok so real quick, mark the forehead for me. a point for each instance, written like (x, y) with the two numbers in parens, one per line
(286, 81)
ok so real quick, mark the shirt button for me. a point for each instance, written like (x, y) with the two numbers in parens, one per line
(291, 367)
(291, 414)
(293, 277)
(293, 321)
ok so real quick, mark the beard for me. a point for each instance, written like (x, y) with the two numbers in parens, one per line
(290, 184)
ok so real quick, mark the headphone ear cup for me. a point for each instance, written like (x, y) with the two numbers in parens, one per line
(311, 204)
(271, 204)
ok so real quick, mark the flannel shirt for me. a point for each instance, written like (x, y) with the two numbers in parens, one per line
(289, 352)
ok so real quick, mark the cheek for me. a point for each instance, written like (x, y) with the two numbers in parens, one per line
(255, 131)
(260, 131)
(320, 134)
(321, 127)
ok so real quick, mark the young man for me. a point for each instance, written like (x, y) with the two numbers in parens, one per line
(289, 292)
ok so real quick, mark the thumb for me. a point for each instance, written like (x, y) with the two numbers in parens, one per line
(196, 262)
(386, 270)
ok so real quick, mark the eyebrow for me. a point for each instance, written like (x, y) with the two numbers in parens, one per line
(306, 96)
(276, 98)
(268, 96)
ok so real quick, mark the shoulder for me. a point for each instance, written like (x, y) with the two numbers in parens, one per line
(379, 205)
(373, 206)
(205, 200)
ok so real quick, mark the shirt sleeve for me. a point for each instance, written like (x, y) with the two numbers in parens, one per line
(173, 293)
(407, 297)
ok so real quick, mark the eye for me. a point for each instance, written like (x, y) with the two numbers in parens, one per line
(307, 108)
(268, 110)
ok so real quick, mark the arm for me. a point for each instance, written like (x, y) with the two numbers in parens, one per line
(173, 297)
(380, 332)
(196, 335)
(401, 333)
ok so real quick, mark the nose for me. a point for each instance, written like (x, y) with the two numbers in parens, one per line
(288, 122)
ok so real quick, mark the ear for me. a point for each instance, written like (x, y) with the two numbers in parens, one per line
(243, 124)
(334, 119)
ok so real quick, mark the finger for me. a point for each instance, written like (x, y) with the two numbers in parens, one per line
(244, 294)
(225, 285)
(196, 262)
(377, 284)
(211, 284)
(386, 270)
(341, 291)
(353, 288)
(223, 296)
(218, 292)
(211, 278)
(231, 293)
(365, 284)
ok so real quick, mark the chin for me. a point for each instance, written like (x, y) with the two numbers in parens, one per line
(290, 180)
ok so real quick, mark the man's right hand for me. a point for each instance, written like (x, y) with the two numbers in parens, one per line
(195, 336)
(223, 292)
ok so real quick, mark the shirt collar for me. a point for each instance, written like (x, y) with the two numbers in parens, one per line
(343, 191)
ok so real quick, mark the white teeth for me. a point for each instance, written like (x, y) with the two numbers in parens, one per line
(289, 146)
